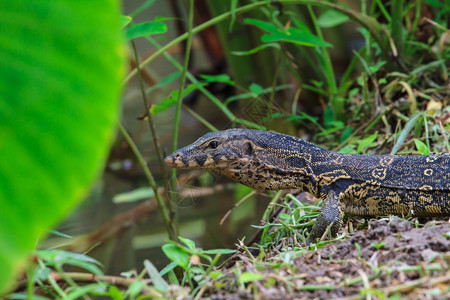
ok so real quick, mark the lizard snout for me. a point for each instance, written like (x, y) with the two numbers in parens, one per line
(173, 160)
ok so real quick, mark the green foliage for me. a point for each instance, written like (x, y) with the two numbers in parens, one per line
(145, 28)
(247, 277)
(366, 142)
(290, 35)
(421, 147)
(62, 62)
(331, 18)
(172, 99)
(50, 263)
(159, 282)
(60, 258)
(181, 255)
(177, 254)
(189, 257)
(358, 249)
(379, 245)
(294, 220)
(404, 134)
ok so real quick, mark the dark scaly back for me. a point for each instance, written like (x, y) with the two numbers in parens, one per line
(409, 172)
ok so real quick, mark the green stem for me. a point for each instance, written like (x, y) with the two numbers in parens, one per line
(396, 26)
(180, 93)
(170, 230)
(416, 18)
(156, 143)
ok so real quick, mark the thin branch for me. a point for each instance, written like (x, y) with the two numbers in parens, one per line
(170, 230)
(180, 92)
(155, 141)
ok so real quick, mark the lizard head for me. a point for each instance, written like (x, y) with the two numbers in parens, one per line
(216, 151)
(259, 159)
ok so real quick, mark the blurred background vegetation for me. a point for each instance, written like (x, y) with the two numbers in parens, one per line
(365, 77)
(351, 80)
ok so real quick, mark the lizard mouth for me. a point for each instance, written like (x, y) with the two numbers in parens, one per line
(178, 161)
(169, 161)
(174, 161)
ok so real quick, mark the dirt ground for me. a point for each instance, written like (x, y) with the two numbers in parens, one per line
(391, 259)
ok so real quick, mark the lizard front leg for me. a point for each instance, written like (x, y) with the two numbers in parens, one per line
(332, 213)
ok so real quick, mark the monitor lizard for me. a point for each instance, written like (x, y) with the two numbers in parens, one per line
(363, 185)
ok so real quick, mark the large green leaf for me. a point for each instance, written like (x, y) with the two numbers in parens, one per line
(61, 67)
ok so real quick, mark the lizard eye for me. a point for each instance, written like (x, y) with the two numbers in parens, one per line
(213, 144)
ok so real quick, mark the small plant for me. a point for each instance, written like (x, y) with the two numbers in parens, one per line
(189, 258)
(379, 245)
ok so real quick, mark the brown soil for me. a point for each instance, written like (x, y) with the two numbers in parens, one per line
(412, 263)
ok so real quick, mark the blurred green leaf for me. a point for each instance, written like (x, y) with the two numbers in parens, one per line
(266, 26)
(145, 28)
(219, 251)
(223, 78)
(62, 64)
(347, 133)
(168, 268)
(165, 81)
(125, 20)
(134, 195)
(189, 243)
(377, 66)
(233, 6)
(115, 293)
(250, 277)
(162, 19)
(23, 296)
(56, 257)
(364, 143)
(251, 95)
(347, 149)
(157, 280)
(290, 35)
(333, 127)
(172, 99)
(331, 18)
(256, 89)
(176, 254)
(404, 134)
(421, 147)
(301, 25)
(81, 291)
(303, 116)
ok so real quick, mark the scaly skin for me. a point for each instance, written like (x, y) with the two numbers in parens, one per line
(363, 185)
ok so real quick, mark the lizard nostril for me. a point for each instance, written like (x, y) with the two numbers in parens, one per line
(177, 155)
